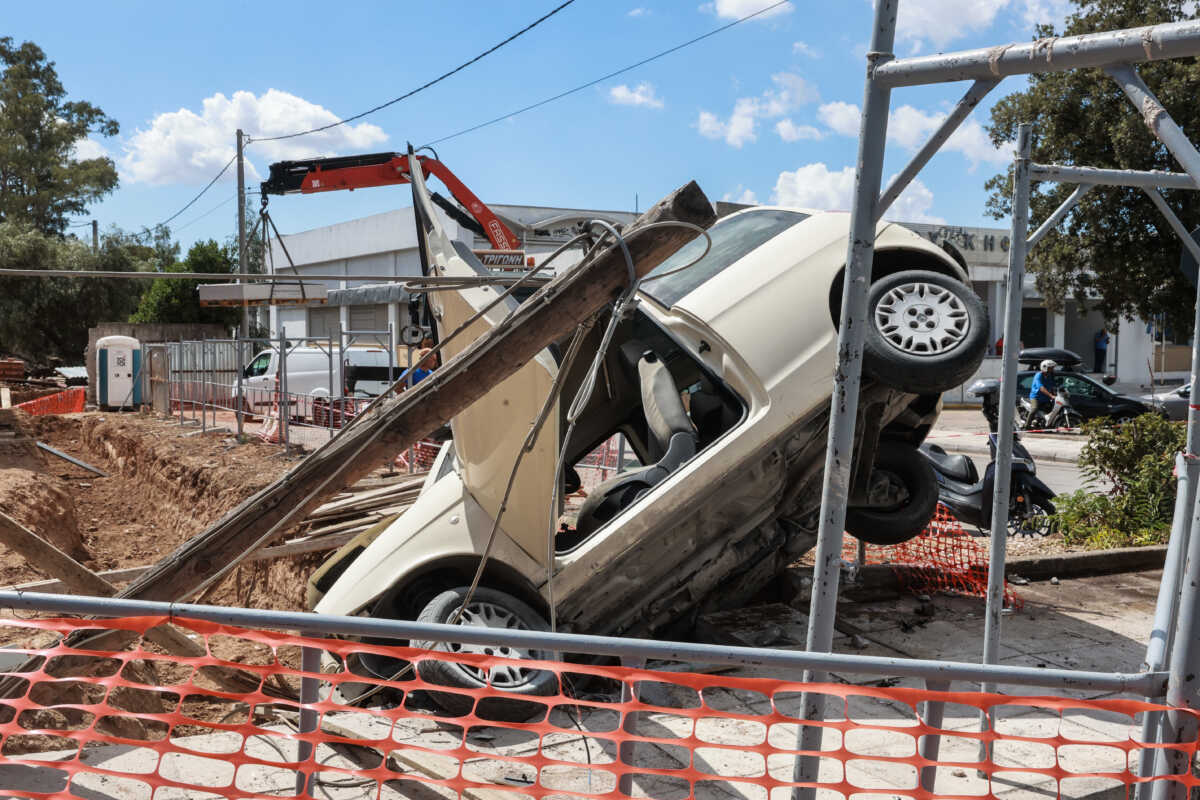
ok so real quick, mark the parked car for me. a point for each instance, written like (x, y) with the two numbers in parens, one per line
(365, 370)
(720, 384)
(1173, 403)
(1089, 397)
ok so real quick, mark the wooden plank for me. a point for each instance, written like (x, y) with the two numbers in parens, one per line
(551, 314)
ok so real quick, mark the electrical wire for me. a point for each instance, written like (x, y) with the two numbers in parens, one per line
(613, 74)
(422, 87)
(192, 202)
(194, 220)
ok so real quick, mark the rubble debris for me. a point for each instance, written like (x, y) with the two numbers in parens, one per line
(768, 625)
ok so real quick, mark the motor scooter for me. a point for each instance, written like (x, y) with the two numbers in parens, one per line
(1062, 414)
(969, 498)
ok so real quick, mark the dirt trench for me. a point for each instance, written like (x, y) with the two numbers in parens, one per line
(163, 487)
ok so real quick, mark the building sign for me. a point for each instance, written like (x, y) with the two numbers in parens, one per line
(979, 246)
(506, 260)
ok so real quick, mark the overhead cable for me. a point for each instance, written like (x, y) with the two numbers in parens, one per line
(422, 87)
(613, 74)
(192, 202)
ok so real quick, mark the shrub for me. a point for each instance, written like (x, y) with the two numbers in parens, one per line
(1138, 459)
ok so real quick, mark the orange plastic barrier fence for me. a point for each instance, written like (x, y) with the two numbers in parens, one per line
(69, 402)
(943, 558)
(137, 724)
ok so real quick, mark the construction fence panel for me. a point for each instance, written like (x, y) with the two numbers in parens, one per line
(157, 363)
(71, 401)
(132, 723)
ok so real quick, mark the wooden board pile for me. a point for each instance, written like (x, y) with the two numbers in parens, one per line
(352, 511)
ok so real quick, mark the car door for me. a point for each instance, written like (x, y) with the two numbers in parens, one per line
(1176, 403)
(1089, 399)
(489, 434)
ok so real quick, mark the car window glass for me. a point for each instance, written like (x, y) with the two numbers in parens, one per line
(732, 238)
(1025, 384)
(259, 365)
(1078, 386)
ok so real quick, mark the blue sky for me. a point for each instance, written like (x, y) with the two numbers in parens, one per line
(766, 111)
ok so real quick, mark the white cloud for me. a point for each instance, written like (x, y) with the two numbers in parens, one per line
(943, 21)
(910, 127)
(639, 12)
(805, 49)
(188, 147)
(741, 195)
(791, 91)
(640, 95)
(89, 148)
(736, 9)
(791, 132)
(816, 186)
(1043, 12)
(840, 117)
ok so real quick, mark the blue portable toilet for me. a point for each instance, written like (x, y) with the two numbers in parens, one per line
(119, 372)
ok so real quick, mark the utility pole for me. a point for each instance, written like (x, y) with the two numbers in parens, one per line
(241, 217)
(95, 236)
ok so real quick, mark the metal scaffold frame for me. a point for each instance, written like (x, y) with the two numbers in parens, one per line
(1175, 643)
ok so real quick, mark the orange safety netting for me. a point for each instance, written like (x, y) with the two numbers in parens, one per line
(943, 558)
(70, 401)
(134, 723)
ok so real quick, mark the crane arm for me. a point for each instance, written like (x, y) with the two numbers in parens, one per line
(382, 169)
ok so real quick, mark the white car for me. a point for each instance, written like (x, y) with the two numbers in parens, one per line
(309, 372)
(718, 388)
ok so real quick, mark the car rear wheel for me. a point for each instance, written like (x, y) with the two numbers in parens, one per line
(487, 608)
(904, 497)
(926, 332)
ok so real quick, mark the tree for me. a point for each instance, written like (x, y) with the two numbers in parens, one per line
(178, 300)
(44, 318)
(41, 181)
(1115, 245)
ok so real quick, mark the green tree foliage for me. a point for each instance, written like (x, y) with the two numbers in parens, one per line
(45, 318)
(41, 181)
(1138, 460)
(171, 300)
(1115, 245)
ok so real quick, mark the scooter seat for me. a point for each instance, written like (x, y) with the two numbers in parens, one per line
(956, 467)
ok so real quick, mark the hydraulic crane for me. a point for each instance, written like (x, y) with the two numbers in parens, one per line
(387, 169)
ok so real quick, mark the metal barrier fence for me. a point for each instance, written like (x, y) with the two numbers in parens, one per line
(127, 722)
(249, 385)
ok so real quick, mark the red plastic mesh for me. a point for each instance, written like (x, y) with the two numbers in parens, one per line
(70, 401)
(136, 724)
(943, 558)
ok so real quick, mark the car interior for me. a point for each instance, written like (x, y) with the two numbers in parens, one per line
(664, 403)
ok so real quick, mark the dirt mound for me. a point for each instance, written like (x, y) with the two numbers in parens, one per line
(43, 504)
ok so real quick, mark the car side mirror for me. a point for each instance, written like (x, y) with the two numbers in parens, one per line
(1109, 380)
(1185, 392)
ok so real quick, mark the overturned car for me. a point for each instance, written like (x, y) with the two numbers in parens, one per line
(717, 391)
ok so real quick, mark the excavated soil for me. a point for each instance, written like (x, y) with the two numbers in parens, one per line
(165, 484)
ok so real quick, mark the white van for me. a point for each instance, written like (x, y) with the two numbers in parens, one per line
(365, 370)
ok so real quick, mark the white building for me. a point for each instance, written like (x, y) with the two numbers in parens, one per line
(385, 245)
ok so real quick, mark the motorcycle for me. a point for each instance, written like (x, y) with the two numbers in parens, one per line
(969, 498)
(1062, 414)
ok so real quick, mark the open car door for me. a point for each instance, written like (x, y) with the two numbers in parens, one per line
(489, 434)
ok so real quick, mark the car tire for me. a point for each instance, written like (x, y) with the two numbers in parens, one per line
(926, 332)
(486, 606)
(904, 464)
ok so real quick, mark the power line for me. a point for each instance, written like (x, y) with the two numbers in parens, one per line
(423, 87)
(193, 221)
(192, 202)
(621, 71)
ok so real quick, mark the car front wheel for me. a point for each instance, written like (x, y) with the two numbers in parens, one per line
(926, 332)
(486, 608)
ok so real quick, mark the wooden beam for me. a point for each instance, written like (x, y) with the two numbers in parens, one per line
(81, 580)
(551, 314)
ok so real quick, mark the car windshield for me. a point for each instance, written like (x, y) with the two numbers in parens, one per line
(732, 238)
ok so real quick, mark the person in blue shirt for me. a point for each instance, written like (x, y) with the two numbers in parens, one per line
(1043, 390)
(1100, 347)
(419, 373)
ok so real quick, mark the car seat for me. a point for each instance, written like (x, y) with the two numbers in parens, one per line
(671, 439)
